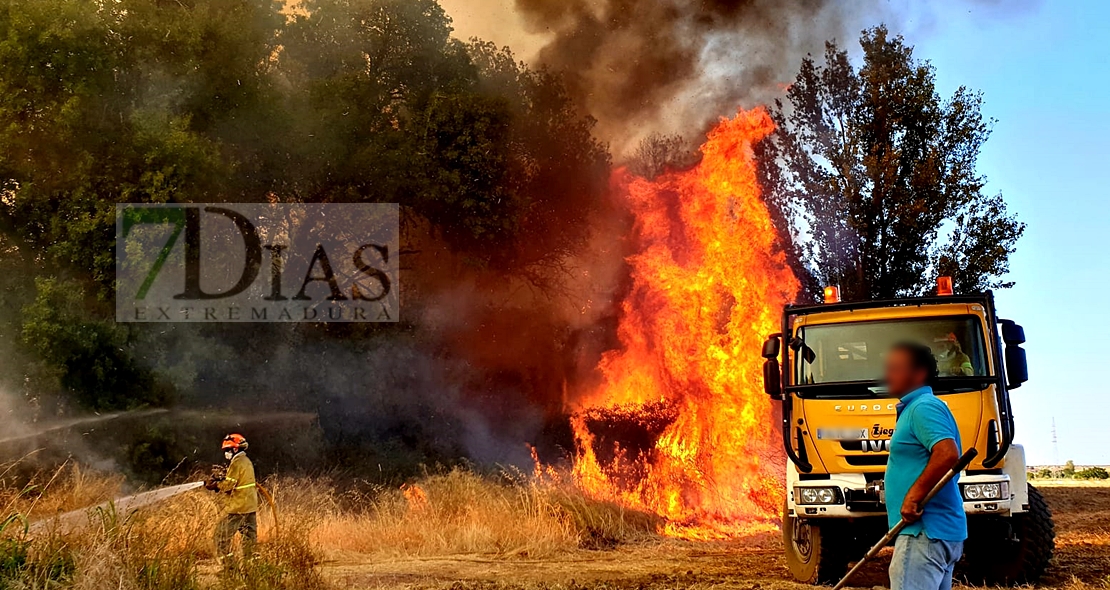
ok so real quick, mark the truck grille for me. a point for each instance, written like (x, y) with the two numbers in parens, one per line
(866, 460)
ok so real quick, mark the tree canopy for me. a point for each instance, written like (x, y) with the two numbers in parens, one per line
(155, 101)
(872, 177)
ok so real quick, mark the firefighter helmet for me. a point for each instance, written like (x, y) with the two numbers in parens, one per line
(234, 443)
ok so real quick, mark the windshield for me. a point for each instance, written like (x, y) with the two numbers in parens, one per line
(839, 353)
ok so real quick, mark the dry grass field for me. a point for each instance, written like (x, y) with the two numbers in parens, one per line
(1082, 561)
(452, 531)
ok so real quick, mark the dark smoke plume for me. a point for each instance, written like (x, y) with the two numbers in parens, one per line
(642, 66)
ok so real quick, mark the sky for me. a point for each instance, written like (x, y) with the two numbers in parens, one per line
(1044, 69)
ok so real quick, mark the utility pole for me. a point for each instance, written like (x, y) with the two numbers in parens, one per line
(1055, 444)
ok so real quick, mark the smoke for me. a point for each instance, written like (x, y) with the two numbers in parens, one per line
(675, 66)
(667, 66)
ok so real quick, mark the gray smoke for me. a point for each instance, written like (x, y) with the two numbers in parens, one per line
(642, 66)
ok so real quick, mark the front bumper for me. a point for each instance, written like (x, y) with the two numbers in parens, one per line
(857, 497)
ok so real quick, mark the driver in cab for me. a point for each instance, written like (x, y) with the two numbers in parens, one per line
(951, 360)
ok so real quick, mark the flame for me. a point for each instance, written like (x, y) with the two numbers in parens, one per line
(416, 496)
(680, 425)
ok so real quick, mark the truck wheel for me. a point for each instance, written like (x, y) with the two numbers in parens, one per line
(814, 552)
(1024, 556)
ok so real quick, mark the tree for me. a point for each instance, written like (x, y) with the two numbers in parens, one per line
(155, 101)
(1094, 472)
(872, 177)
(657, 153)
(89, 356)
(492, 155)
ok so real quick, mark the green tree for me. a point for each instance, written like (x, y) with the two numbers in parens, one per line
(491, 155)
(873, 181)
(557, 171)
(90, 357)
(120, 101)
(1092, 473)
(150, 101)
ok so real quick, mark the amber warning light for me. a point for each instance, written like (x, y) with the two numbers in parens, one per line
(944, 286)
(832, 294)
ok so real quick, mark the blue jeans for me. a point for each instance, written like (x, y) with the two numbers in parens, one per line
(921, 563)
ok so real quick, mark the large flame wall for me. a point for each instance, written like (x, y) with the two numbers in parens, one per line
(707, 287)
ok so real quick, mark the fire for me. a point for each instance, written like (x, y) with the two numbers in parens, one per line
(416, 496)
(680, 425)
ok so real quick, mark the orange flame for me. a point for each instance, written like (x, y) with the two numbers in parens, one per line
(416, 497)
(707, 287)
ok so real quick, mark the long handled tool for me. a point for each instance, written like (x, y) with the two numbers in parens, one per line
(960, 465)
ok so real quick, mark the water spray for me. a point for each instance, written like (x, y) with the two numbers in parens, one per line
(67, 424)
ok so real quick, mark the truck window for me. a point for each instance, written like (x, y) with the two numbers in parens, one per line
(854, 351)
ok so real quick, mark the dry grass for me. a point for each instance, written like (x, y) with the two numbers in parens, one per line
(456, 529)
(163, 546)
(64, 489)
(460, 512)
(1071, 483)
(168, 545)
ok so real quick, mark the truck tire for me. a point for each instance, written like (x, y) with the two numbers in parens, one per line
(815, 553)
(1024, 556)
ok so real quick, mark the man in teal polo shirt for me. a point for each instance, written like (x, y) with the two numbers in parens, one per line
(925, 445)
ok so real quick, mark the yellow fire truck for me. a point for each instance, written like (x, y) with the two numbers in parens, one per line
(825, 368)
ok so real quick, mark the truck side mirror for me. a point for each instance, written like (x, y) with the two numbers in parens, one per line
(1017, 367)
(771, 346)
(772, 378)
(1012, 333)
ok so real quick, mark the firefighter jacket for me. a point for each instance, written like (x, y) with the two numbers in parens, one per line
(240, 487)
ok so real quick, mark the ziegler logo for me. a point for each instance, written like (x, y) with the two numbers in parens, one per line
(878, 432)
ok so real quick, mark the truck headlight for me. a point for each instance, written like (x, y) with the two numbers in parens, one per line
(817, 495)
(986, 491)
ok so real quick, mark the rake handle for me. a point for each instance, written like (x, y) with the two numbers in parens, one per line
(960, 465)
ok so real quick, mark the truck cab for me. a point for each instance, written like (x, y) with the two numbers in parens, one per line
(837, 420)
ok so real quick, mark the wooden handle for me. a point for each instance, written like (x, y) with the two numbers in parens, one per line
(960, 465)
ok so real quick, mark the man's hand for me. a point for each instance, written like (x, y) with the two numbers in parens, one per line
(217, 475)
(943, 457)
(911, 510)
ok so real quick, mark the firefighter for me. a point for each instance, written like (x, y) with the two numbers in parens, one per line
(241, 499)
(951, 360)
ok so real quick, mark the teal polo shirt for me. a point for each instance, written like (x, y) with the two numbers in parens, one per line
(923, 421)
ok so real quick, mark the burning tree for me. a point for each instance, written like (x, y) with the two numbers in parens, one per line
(680, 425)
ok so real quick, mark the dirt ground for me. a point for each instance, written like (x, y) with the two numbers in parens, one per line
(1082, 560)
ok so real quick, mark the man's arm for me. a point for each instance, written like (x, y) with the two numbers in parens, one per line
(966, 370)
(231, 480)
(943, 457)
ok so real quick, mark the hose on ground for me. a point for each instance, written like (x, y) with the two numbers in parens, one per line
(270, 500)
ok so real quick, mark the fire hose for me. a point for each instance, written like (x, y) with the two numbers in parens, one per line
(960, 465)
(269, 500)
